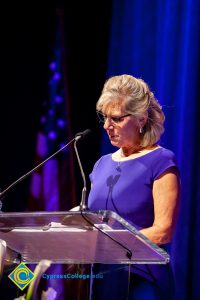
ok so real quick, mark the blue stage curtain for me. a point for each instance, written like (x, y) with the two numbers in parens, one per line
(159, 41)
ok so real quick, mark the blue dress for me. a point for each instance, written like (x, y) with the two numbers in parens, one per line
(126, 188)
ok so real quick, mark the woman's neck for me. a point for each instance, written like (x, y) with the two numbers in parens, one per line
(127, 151)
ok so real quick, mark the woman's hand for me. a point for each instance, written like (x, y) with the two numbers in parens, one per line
(76, 208)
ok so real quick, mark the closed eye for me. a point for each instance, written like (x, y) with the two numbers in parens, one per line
(119, 119)
(103, 118)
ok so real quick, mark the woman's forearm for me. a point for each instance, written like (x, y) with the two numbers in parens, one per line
(158, 236)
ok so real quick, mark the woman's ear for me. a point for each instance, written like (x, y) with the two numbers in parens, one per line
(143, 119)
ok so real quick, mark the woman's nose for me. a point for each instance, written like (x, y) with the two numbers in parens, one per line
(107, 123)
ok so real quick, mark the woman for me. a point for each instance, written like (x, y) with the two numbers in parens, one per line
(140, 181)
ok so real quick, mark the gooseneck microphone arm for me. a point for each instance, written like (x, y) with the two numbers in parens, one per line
(2, 194)
(83, 204)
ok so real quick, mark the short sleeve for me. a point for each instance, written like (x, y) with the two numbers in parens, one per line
(165, 161)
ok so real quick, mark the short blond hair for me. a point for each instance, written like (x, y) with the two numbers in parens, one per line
(138, 100)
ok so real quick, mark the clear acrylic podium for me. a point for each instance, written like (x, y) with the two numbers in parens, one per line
(88, 237)
(75, 237)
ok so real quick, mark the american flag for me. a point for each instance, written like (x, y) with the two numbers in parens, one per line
(52, 186)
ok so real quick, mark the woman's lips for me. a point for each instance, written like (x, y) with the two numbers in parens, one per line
(113, 136)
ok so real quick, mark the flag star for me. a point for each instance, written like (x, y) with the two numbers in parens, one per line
(58, 99)
(52, 135)
(52, 65)
(56, 76)
(60, 122)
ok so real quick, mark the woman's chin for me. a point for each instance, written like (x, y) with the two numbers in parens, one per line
(114, 143)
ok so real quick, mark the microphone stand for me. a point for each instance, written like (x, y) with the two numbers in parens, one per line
(83, 205)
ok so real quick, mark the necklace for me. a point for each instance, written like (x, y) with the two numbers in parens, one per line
(118, 167)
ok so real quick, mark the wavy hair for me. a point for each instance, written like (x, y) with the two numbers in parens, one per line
(138, 100)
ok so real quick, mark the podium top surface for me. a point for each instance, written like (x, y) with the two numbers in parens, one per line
(77, 237)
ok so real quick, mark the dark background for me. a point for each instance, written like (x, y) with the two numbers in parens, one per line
(27, 45)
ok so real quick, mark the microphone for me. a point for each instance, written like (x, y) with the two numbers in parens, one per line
(76, 138)
(81, 135)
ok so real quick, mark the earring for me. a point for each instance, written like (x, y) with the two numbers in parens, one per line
(141, 130)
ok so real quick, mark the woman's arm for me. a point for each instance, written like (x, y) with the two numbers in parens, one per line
(166, 195)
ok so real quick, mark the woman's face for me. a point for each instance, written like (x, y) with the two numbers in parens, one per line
(122, 132)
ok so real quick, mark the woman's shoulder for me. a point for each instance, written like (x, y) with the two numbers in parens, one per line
(166, 153)
(164, 159)
(162, 155)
